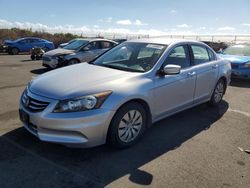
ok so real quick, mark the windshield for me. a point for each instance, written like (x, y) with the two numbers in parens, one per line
(132, 56)
(241, 50)
(75, 44)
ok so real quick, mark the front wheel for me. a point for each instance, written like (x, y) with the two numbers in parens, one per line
(73, 62)
(127, 126)
(32, 57)
(218, 93)
(14, 51)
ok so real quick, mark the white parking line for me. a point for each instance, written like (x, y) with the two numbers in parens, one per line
(240, 112)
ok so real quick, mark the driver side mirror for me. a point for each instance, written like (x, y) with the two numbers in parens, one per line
(171, 69)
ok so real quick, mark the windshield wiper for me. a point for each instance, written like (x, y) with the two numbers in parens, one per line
(121, 68)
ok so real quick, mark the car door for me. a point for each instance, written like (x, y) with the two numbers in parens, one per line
(29, 44)
(207, 71)
(90, 51)
(175, 92)
(23, 45)
(36, 43)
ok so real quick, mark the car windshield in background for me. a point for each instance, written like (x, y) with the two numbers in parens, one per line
(132, 56)
(241, 50)
(75, 45)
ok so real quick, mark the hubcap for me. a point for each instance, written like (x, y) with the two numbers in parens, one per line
(130, 126)
(218, 93)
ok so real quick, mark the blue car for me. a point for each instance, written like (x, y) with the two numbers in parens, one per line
(239, 56)
(25, 44)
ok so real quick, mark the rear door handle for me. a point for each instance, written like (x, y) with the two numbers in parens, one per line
(215, 66)
(191, 73)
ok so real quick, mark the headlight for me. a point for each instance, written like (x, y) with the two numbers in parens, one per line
(88, 102)
(247, 65)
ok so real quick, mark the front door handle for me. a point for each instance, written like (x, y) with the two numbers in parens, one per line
(191, 73)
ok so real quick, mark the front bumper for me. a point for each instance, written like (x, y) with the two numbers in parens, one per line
(76, 129)
(241, 73)
(50, 63)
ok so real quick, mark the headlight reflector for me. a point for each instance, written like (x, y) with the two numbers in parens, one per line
(88, 102)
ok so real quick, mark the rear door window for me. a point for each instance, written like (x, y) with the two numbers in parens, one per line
(211, 55)
(200, 54)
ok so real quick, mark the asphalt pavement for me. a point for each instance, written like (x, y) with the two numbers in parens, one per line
(195, 148)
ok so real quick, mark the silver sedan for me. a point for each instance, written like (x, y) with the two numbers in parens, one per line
(122, 93)
(78, 50)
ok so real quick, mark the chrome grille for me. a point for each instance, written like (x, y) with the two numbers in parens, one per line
(32, 104)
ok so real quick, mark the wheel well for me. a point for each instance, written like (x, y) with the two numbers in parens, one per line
(15, 48)
(74, 59)
(145, 106)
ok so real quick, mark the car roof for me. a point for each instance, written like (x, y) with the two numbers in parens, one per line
(164, 41)
(28, 38)
(95, 39)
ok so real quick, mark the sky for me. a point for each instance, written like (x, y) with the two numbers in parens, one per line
(150, 17)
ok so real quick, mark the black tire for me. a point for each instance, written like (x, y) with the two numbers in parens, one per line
(14, 51)
(214, 101)
(32, 57)
(113, 137)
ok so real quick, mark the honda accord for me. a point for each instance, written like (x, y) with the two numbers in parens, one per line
(119, 95)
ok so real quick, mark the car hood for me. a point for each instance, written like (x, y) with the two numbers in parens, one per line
(58, 51)
(235, 58)
(64, 44)
(78, 80)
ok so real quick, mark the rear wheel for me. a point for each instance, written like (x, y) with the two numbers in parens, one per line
(127, 126)
(218, 93)
(14, 51)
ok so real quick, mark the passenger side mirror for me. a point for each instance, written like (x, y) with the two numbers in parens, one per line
(171, 69)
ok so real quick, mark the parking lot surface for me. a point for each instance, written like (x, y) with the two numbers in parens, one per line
(195, 148)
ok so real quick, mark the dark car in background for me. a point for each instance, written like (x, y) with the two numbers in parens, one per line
(239, 56)
(3, 48)
(216, 46)
(26, 44)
